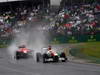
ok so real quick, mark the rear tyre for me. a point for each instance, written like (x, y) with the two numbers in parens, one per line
(17, 57)
(38, 55)
(63, 56)
(63, 60)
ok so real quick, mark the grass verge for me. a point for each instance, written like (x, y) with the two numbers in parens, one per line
(3, 46)
(89, 51)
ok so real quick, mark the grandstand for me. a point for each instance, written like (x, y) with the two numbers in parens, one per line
(13, 12)
(74, 21)
(77, 21)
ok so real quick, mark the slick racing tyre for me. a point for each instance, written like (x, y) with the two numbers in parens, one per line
(38, 55)
(63, 56)
(17, 57)
(45, 58)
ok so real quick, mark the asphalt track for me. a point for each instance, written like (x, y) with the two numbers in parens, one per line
(30, 67)
(9, 66)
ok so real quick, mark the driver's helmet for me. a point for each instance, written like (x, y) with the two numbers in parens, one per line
(49, 48)
(22, 46)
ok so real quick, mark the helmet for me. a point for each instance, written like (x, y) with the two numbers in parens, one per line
(22, 46)
(49, 48)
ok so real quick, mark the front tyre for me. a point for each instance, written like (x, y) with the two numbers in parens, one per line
(44, 58)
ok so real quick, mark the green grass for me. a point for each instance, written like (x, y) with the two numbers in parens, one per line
(89, 50)
(3, 46)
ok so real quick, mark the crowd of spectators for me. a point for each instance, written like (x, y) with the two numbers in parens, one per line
(10, 20)
(77, 20)
(71, 20)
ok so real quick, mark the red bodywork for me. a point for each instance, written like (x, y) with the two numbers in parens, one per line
(24, 50)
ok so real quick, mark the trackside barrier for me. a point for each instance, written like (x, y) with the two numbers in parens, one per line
(75, 39)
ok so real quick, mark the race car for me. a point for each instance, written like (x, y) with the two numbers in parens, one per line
(23, 53)
(48, 55)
